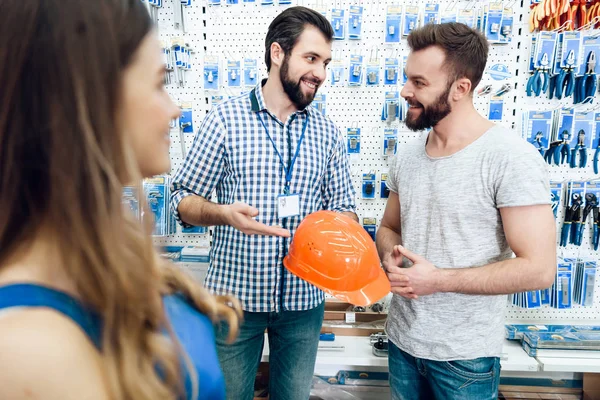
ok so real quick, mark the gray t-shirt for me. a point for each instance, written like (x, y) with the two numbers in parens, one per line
(450, 215)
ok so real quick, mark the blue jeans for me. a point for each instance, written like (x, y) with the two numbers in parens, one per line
(415, 378)
(293, 343)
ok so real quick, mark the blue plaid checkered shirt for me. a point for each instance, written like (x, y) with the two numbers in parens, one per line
(233, 157)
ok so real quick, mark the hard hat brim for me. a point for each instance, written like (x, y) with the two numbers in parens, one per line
(370, 294)
(365, 296)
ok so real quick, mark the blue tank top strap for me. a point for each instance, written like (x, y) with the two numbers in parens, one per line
(31, 295)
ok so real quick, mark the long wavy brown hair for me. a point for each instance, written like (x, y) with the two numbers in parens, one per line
(63, 164)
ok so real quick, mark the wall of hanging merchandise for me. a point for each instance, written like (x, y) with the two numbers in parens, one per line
(215, 50)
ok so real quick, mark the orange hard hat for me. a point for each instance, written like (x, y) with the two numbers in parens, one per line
(333, 252)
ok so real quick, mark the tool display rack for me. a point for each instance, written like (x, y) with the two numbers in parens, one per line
(237, 31)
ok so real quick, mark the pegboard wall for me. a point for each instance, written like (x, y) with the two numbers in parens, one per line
(237, 32)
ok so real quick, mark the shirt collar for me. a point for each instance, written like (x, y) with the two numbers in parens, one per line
(257, 100)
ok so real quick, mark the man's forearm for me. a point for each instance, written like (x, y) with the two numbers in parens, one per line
(386, 240)
(504, 277)
(197, 211)
(351, 215)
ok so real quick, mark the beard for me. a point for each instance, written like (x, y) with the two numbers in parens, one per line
(293, 89)
(431, 115)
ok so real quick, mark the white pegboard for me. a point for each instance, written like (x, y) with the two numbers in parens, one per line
(238, 31)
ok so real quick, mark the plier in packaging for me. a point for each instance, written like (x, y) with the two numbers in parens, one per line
(588, 83)
(576, 218)
(565, 81)
(562, 151)
(591, 202)
(538, 82)
(570, 211)
(581, 149)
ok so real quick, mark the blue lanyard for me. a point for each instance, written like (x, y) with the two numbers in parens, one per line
(287, 170)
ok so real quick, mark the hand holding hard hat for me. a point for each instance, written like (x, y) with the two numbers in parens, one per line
(334, 253)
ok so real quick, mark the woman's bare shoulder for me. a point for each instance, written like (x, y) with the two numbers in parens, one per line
(44, 354)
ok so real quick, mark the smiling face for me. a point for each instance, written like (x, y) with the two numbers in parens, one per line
(147, 108)
(303, 70)
(427, 90)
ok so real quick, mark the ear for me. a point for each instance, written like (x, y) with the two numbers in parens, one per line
(277, 54)
(462, 88)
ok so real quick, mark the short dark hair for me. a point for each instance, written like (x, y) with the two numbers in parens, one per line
(466, 49)
(287, 27)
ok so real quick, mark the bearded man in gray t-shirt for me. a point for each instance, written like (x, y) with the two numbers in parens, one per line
(463, 198)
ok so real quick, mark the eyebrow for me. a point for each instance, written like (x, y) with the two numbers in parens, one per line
(416, 76)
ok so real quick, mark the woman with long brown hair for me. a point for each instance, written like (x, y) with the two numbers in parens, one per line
(87, 308)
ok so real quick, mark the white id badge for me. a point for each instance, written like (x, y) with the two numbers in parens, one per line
(288, 205)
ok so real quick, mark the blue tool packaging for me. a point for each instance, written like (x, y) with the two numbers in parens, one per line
(355, 21)
(506, 26)
(573, 209)
(539, 126)
(581, 139)
(384, 191)
(562, 290)
(157, 195)
(493, 22)
(390, 141)
(584, 282)
(543, 53)
(320, 102)
(391, 71)
(234, 78)
(532, 53)
(353, 138)
(338, 23)
(411, 19)
(250, 72)
(591, 211)
(368, 186)
(495, 110)
(370, 225)
(432, 13)
(392, 108)
(559, 151)
(211, 73)
(392, 24)
(355, 72)
(569, 48)
(590, 44)
(586, 84)
(588, 284)
(567, 43)
(373, 72)
(336, 68)
(186, 119)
